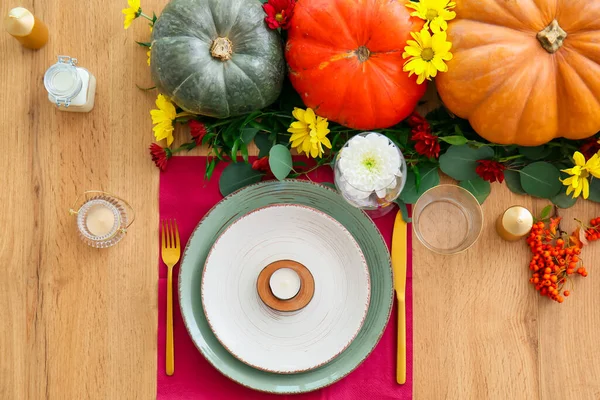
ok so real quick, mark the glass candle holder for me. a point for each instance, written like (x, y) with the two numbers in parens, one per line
(370, 173)
(447, 219)
(102, 220)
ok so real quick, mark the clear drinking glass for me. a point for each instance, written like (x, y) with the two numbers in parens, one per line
(447, 219)
(379, 201)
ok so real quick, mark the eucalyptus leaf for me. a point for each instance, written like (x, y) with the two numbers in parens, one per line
(459, 162)
(454, 140)
(236, 176)
(513, 181)
(403, 210)
(563, 200)
(429, 178)
(595, 190)
(535, 153)
(263, 143)
(478, 187)
(280, 161)
(541, 179)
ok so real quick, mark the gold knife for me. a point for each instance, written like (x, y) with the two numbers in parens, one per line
(399, 268)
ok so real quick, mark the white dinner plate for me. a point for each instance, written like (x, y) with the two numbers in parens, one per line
(285, 342)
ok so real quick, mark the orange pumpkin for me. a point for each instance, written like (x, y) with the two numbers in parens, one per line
(525, 72)
(345, 60)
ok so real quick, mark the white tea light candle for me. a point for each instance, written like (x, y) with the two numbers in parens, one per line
(100, 219)
(514, 224)
(285, 283)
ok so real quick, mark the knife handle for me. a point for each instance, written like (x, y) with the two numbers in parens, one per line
(401, 345)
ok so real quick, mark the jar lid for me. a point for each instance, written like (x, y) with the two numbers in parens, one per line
(62, 81)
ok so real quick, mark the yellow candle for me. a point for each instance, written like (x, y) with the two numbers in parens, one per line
(514, 224)
(27, 29)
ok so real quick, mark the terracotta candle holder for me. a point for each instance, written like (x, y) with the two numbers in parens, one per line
(274, 272)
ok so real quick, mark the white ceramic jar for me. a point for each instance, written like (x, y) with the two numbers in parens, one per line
(71, 88)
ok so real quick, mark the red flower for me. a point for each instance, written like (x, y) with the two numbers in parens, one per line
(415, 120)
(426, 144)
(279, 13)
(262, 165)
(198, 130)
(590, 147)
(160, 155)
(490, 170)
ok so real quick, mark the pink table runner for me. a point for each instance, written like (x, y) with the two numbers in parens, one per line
(186, 196)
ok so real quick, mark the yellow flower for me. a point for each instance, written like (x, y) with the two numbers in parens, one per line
(578, 181)
(435, 12)
(132, 12)
(309, 133)
(163, 119)
(427, 54)
(148, 54)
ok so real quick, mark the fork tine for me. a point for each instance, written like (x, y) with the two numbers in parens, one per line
(177, 244)
(162, 231)
(172, 233)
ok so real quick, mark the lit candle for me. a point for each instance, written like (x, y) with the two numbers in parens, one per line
(285, 283)
(100, 220)
(27, 29)
(515, 223)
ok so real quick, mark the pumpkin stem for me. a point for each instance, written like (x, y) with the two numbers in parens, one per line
(362, 53)
(552, 37)
(221, 48)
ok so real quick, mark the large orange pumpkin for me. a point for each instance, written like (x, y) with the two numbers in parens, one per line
(345, 60)
(525, 72)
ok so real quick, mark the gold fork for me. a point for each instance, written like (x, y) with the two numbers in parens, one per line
(171, 251)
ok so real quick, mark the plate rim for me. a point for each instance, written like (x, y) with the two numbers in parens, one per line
(389, 302)
(365, 268)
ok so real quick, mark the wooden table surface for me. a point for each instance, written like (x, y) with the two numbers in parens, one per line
(80, 323)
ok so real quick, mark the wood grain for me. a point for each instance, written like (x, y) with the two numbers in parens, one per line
(80, 323)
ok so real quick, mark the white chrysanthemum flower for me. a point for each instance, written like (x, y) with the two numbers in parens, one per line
(369, 164)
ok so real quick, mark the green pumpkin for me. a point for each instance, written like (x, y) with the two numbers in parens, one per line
(217, 57)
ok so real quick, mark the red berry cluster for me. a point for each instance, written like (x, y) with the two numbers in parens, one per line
(555, 259)
(592, 233)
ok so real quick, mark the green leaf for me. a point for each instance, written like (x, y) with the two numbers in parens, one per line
(541, 179)
(247, 135)
(210, 167)
(429, 178)
(595, 190)
(563, 201)
(236, 176)
(280, 161)
(403, 210)
(234, 149)
(478, 187)
(535, 153)
(145, 89)
(513, 181)
(252, 116)
(244, 151)
(459, 162)
(454, 140)
(144, 44)
(546, 211)
(263, 143)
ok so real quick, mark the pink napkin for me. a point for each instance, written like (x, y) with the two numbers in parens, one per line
(186, 196)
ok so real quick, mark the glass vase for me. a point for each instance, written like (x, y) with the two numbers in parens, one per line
(384, 174)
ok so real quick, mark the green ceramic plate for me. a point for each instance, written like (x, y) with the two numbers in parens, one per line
(260, 195)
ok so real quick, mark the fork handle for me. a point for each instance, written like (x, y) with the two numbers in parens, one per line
(170, 367)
